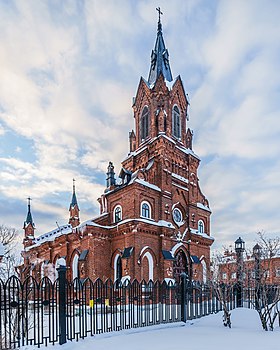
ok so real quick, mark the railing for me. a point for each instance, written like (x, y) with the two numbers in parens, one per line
(48, 312)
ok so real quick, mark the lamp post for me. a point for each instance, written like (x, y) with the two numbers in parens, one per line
(257, 252)
(239, 245)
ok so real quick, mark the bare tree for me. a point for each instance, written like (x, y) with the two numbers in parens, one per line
(8, 237)
(266, 296)
(222, 290)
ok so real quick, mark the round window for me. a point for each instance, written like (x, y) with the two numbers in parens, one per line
(177, 215)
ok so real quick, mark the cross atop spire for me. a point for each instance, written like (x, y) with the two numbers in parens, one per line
(159, 13)
(159, 57)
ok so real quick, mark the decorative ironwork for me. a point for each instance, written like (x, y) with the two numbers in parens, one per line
(46, 312)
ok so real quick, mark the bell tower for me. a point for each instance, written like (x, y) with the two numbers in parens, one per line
(161, 146)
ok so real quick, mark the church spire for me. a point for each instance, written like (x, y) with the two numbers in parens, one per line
(74, 219)
(28, 226)
(159, 57)
(74, 198)
(29, 219)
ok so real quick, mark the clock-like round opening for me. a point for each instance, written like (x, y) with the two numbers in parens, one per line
(177, 215)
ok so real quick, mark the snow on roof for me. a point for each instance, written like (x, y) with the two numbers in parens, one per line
(51, 236)
(204, 207)
(135, 152)
(147, 184)
(170, 84)
(160, 223)
(183, 188)
(180, 177)
(188, 151)
(204, 235)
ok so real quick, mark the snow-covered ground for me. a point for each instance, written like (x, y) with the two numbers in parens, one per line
(205, 333)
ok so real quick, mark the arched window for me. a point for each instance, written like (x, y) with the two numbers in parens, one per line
(118, 213)
(176, 122)
(150, 262)
(200, 225)
(144, 123)
(75, 266)
(118, 267)
(145, 210)
(204, 271)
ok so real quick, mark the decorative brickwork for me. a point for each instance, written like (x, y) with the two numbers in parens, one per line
(155, 221)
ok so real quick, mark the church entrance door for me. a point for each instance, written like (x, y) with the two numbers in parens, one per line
(180, 265)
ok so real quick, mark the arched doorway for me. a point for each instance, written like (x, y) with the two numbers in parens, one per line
(180, 265)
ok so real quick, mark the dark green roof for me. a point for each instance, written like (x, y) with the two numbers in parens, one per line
(74, 200)
(159, 59)
(29, 219)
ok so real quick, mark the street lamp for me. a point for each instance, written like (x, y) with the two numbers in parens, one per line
(239, 245)
(257, 252)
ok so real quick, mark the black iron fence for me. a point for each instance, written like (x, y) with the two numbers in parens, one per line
(48, 312)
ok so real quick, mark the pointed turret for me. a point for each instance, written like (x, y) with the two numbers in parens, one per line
(28, 226)
(159, 57)
(111, 181)
(74, 219)
(29, 219)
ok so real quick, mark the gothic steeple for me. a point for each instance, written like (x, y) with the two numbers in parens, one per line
(29, 227)
(74, 219)
(29, 219)
(74, 198)
(159, 57)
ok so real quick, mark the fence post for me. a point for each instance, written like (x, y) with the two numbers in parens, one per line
(183, 296)
(62, 302)
(239, 299)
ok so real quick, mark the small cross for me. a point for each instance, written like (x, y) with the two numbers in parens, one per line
(159, 13)
(29, 199)
(74, 184)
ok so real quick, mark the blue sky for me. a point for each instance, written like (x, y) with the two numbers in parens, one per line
(69, 70)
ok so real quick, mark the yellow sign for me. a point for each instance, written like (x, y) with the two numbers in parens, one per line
(91, 303)
(107, 302)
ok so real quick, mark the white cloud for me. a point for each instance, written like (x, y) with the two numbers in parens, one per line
(68, 75)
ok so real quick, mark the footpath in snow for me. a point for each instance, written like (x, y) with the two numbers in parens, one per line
(205, 333)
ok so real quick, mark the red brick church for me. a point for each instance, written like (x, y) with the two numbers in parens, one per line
(154, 221)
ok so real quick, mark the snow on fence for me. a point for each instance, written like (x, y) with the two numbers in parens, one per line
(46, 312)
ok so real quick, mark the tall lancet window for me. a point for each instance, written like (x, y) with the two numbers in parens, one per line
(144, 123)
(176, 122)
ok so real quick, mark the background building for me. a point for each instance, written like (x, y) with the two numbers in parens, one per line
(259, 265)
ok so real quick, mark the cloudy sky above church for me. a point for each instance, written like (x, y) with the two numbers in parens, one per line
(69, 70)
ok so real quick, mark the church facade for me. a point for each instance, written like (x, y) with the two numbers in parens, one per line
(154, 221)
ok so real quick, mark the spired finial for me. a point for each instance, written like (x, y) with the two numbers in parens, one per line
(29, 201)
(74, 185)
(29, 219)
(159, 13)
(159, 23)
